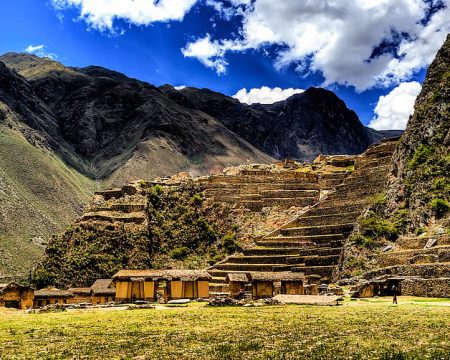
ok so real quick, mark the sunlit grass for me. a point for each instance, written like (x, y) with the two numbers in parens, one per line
(357, 330)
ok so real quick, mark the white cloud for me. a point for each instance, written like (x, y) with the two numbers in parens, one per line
(211, 53)
(337, 38)
(101, 14)
(265, 95)
(179, 87)
(39, 50)
(393, 110)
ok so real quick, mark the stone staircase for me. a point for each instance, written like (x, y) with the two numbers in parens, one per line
(258, 189)
(313, 242)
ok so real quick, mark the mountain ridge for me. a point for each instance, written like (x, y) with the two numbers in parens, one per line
(92, 128)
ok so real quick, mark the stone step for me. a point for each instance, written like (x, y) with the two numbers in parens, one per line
(426, 271)
(330, 210)
(323, 251)
(217, 279)
(322, 271)
(288, 202)
(263, 259)
(289, 193)
(300, 241)
(344, 228)
(315, 260)
(135, 218)
(223, 273)
(230, 267)
(258, 251)
(316, 220)
(128, 208)
(436, 254)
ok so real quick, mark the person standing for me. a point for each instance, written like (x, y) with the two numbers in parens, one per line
(394, 293)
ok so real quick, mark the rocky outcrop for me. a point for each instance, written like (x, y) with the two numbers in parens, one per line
(421, 164)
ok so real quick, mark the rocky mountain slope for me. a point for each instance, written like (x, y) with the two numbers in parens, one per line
(406, 230)
(301, 127)
(420, 176)
(120, 129)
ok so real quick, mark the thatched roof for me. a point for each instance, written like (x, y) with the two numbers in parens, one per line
(277, 276)
(237, 277)
(80, 291)
(52, 292)
(141, 275)
(103, 287)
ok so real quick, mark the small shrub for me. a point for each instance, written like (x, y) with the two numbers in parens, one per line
(229, 243)
(155, 194)
(366, 242)
(420, 231)
(420, 156)
(375, 228)
(196, 200)
(179, 253)
(440, 184)
(440, 207)
(400, 219)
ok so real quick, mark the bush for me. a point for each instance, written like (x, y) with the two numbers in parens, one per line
(375, 228)
(440, 184)
(420, 156)
(155, 194)
(365, 242)
(440, 207)
(179, 253)
(229, 243)
(196, 200)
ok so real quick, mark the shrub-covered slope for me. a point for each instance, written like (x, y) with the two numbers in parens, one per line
(179, 231)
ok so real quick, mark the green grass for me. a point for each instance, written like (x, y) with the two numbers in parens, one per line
(39, 195)
(372, 329)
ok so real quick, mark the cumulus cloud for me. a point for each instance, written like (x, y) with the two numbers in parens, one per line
(39, 50)
(393, 110)
(179, 87)
(211, 53)
(101, 14)
(265, 95)
(362, 43)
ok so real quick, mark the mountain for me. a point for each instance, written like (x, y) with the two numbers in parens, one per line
(421, 164)
(301, 127)
(39, 192)
(66, 132)
(120, 129)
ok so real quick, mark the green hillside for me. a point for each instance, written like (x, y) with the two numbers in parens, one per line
(39, 196)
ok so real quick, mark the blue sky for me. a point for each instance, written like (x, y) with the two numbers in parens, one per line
(233, 44)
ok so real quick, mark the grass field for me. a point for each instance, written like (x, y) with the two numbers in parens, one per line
(374, 329)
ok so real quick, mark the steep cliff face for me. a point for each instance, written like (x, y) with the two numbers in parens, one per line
(301, 127)
(420, 174)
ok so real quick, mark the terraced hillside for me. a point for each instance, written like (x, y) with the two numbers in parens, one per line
(313, 242)
(258, 189)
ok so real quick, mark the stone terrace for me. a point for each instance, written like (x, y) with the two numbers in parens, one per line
(313, 242)
(257, 189)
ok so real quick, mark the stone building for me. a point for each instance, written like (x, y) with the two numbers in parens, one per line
(14, 295)
(151, 285)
